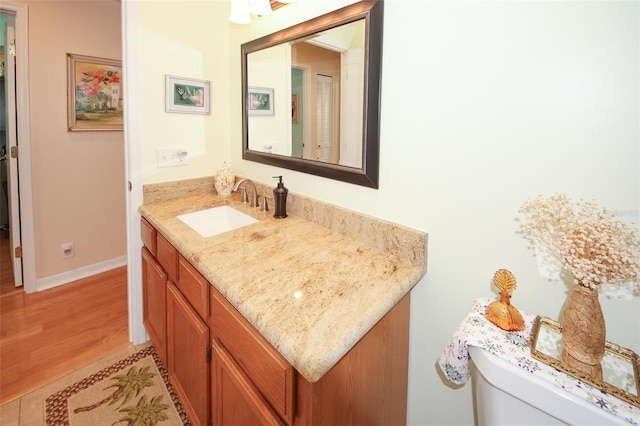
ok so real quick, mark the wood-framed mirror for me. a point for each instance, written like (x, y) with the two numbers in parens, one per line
(311, 95)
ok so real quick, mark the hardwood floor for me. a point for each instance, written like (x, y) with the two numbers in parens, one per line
(48, 334)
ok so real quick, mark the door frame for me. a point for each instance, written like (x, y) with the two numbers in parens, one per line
(305, 107)
(133, 161)
(21, 12)
(11, 163)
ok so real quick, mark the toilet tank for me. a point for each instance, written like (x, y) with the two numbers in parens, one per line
(507, 395)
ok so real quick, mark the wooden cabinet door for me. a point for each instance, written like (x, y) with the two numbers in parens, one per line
(188, 342)
(235, 400)
(154, 296)
(271, 374)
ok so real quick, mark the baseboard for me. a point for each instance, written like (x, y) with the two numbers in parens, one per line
(77, 274)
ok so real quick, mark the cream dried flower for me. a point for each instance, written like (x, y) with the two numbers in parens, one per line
(594, 246)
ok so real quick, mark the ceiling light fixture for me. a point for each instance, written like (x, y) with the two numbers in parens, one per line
(259, 7)
(275, 5)
(240, 12)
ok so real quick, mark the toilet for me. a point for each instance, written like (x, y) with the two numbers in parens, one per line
(507, 395)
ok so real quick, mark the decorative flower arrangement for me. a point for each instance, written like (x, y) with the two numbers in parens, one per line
(596, 247)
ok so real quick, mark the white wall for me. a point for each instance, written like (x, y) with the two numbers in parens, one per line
(187, 39)
(272, 69)
(515, 99)
(485, 104)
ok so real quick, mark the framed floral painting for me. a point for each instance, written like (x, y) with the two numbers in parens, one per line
(187, 95)
(94, 97)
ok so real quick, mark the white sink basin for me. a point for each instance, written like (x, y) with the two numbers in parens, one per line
(216, 220)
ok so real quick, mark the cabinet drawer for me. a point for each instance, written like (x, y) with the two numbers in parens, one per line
(194, 287)
(263, 365)
(148, 234)
(167, 257)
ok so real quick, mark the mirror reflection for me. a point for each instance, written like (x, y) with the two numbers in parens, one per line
(311, 95)
(316, 88)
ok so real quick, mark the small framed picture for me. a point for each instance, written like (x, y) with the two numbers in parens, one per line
(260, 101)
(187, 95)
(94, 96)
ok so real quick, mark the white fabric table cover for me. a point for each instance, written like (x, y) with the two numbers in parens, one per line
(513, 347)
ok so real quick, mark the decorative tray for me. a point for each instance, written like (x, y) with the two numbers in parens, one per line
(620, 366)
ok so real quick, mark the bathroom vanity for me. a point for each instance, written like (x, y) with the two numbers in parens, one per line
(303, 320)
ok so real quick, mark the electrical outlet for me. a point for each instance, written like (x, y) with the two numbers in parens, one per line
(171, 157)
(67, 250)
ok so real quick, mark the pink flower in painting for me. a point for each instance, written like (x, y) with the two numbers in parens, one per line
(90, 88)
(98, 75)
(197, 98)
(92, 80)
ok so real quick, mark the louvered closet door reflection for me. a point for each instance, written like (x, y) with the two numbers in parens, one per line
(324, 117)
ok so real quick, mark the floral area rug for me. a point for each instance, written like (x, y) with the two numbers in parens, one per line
(133, 391)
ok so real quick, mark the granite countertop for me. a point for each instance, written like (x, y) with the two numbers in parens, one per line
(311, 291)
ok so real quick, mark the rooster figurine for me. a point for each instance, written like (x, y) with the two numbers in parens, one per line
(501, 312)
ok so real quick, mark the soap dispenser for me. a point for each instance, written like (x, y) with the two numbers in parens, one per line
(280, 199)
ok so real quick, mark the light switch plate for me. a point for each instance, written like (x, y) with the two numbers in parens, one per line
(171, 157)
